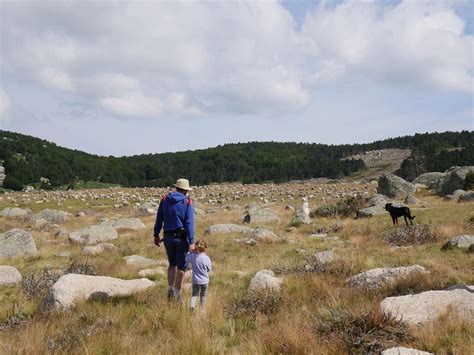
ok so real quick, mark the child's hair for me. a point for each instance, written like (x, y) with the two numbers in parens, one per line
(201, 246)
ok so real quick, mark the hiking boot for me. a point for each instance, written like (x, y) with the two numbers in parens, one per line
(170, 295)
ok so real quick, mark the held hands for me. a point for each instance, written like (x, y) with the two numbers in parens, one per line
(157, 241)
(192, 248)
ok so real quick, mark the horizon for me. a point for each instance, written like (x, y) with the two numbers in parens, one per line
(130, 78)
(230, 143)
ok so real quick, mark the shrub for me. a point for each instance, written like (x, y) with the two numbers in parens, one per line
(254, 303)
(342, 208)
(12, 183)
(412, 235)
(469, 183)
(368, 333)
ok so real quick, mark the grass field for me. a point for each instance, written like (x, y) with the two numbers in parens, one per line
(315, 312)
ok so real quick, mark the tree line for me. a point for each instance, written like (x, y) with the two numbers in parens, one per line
(28, 159)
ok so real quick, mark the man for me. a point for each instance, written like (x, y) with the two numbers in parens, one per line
(176, 217)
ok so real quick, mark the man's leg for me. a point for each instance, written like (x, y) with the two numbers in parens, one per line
(178, 282)
(181, 251)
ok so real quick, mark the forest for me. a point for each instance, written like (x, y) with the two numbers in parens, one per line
(29, 160)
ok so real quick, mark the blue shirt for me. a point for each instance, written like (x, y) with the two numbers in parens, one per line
(175, 211)
(201, 266)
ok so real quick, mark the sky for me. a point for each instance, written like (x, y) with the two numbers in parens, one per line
(131, 77)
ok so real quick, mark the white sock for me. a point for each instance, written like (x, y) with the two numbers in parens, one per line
(176, 292)
(170, 288)
(193, 301)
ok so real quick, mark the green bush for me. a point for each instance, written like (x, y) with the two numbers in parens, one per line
(342, 208)
(469, 184)
(12, 183)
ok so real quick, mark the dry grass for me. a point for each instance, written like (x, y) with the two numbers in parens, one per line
(315, 312)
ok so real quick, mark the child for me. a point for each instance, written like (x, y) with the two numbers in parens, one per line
(201, 265)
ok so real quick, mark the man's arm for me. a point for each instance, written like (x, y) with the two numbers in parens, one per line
(189, 224)
(159, 220)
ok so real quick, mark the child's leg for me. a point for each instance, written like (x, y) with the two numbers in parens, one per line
(194, 295)
(203, 293)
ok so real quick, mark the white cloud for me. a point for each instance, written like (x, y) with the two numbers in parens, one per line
(151, 59)
(4, 105)
(415, 42)
(137, 105)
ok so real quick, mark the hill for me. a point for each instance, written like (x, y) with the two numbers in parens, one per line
(29, 160)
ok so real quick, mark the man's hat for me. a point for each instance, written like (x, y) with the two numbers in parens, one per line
(183, 184)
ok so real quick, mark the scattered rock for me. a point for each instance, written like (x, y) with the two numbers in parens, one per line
(377, 200)
(124, 223)
(300, 217)
(63, 254)
(73, 288)
(411, 200)
(458, 193)
(404, 351)
(428, 306)
(60, 233)
(148, 208)
(260, 215)
(9, 276)
(151, 272)
(471, 249)
(375, 278)
(265, 280)
(453, 179)
(99, 249)
(140, 261)
(248, 241)
(467, 197)
(15, 212)
(370, 212)
(93, 234)
(393, 186)
(17, 242)
(263, 235)
(227, 229)
(52, 216)
(431, 180)
(461, 241)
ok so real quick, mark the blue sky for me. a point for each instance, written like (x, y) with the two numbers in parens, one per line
(122, 78)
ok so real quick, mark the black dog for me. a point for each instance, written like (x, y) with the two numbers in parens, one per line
(396, 212)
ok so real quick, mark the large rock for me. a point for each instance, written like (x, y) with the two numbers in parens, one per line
(93, 234)
(227, 229)
(152, 273)
(431, 180)
(370, 212)
(9, 276)
(15, 212)
(73, 288)
(99, 248)
(300, 217)
(52, 216)
(461, 241)
(263, 235)
(377, 200)
(393, 186)
(453, 179)
(17, 242)
(467, 197)
(260, 216)
(375, 278)
(428, 306)
(140, 261)
(265, 280)
(124, 223)
(149, 208)
(404, 351)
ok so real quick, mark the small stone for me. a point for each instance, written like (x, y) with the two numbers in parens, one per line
(9, 276)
